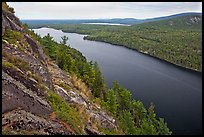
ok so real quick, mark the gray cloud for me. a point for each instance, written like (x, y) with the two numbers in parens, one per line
(88, 10)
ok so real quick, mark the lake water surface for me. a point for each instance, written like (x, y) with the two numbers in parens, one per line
(175, 92)
(112, 24)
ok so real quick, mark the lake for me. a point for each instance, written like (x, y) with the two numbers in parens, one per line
(175, 92)
(112, 24)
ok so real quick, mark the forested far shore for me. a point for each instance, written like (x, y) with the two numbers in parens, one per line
(182, 47)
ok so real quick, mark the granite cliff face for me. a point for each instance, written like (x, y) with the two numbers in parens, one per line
(27, 78)
(10, 21)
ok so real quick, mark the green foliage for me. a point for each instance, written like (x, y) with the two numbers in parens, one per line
(65, 112)
(12, 36)
(25, 26)
(111, 103)
(163, 129)
(66, 87)
(180, 47)
(126, 122)
(151, 114)
(4, 6)
(7, 8)
(185, 22)
(147, 128)
(180, 44)
(110, 132)
(7, 131)
(6, 64)
(16, 61)
(64, 40)
(124, 96)
(131, 115)
(32, 34)
(37, 78)
(72, 61)
(64, 59)
(49, 46)
(99, 86)
(138, 111)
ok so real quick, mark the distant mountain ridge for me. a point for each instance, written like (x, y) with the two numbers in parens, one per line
(173, 16)
(80, 21)
(129, 21)
(189, 21)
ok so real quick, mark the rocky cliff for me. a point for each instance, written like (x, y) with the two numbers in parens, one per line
(28, 76)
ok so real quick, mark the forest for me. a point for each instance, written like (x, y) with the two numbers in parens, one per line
(170, 40)
(51, 88)
(132, 116)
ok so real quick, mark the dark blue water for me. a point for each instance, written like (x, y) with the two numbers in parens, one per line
(175, 92)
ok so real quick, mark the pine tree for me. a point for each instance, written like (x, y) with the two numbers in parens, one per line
(111, 101)
(151, 114)
(147, 128)
(162, 127)
(64, 40)
(99, 84)
(126, 122)
(139, 112)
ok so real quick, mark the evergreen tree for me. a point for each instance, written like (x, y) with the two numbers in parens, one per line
(111, 101)
(49, 46)
(126, 122)
(162, 127)
(151, 115)
(99, 84)
(147, 128)
(139, 112)
(64, 40)
(126, 97)
(130, 114)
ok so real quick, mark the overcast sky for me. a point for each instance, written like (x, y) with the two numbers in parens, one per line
(95, 10)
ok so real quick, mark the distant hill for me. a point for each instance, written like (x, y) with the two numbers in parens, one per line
(171, 16)
(129, 21)
(178, 21)
(115, 20)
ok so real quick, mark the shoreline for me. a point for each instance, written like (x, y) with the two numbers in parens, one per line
(163, 60)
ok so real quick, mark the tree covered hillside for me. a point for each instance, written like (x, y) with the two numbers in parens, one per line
(190, 21)
(117, 101)
(51, 89)
(177, 40)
